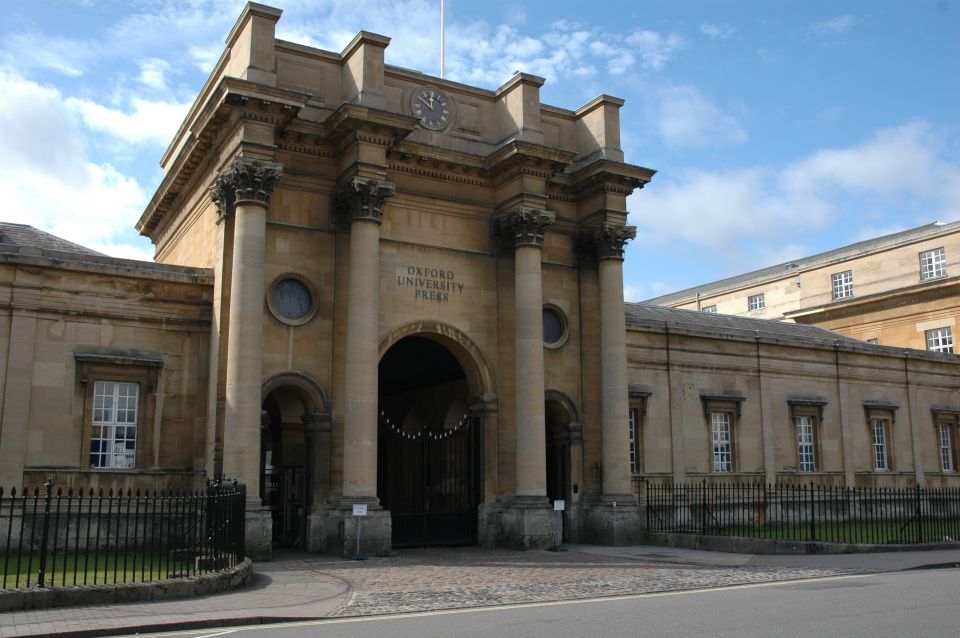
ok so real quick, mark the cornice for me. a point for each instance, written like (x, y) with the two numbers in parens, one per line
(233, 99)
(609, 176)
(356, 123)
(941, 289)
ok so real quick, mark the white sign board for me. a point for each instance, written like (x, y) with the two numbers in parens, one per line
(559, 505)
(359, 509)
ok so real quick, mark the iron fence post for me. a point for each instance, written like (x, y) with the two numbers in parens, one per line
(813, 513)
(919, 492)
(41, 572)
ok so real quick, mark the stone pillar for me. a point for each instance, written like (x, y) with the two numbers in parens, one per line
(616, 518)
(359, 203)
(242, 190)
(527, 517)
(316, 429)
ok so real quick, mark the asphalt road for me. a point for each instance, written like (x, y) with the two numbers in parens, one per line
(923, 603)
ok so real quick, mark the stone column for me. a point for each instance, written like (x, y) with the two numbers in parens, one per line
(527, 522)
(243, 190)
(614, 521)
(359, 203)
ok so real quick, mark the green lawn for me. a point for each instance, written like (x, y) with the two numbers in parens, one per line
(91, 569)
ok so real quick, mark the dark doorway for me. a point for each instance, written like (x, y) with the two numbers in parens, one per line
(283, 467)
(558, 456)
(428, 446)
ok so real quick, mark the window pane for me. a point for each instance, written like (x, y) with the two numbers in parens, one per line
(756, 302)
(933, 263)
(946, 447)
(940, 339)
(722, 445)
(633, 424)
(879, 432)
(805, 446)
(113, 436)
(843, 284)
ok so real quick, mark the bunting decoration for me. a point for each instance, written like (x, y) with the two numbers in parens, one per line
(433, 436)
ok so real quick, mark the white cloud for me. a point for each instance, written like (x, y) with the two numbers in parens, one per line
(716, 31)
(28, 51)
(895, 169)
(655, 49)
(833, 26)
(51, 184)
(153, 73)
(685, 118)
(151, 122)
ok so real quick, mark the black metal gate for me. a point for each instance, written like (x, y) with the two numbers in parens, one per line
(430, 482)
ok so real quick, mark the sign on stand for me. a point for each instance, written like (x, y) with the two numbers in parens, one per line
(359, 511)
(558, 506)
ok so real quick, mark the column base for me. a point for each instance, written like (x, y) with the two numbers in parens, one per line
(258, 544)
(615, 520)
(518, 522)
(333, 530)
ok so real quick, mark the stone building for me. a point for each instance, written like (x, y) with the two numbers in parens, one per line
(379, 288)
(897, 290)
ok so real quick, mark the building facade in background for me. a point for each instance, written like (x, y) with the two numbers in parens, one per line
(380, 290)
(897, 290)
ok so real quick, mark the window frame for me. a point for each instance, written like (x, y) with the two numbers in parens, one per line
(933, 264)
(842, 285)
(882, 415)
(108, 395)
(636, 416)
(731, 407)
(756, 302)
(938, 337)
(709, 310)
(721, 423)
(947, 421)
(142, 370)
(803, 408)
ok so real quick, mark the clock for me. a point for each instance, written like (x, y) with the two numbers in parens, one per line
(431, 107)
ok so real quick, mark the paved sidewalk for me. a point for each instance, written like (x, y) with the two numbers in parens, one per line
(299, 586)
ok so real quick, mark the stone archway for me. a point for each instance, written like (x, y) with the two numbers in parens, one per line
(435, 392)
(564, 453)
(295, 453)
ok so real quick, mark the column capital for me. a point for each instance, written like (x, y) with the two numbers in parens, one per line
(525, 226)
(604, 241)
(361, 198)
(244, 181)
(609, 238)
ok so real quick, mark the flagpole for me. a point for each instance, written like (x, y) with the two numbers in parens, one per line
(443, 5)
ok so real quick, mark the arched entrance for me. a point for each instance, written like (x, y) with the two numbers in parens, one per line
(292, 402)
(429, 444)
(563, 442)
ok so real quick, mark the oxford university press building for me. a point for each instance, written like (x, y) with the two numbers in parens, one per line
(377, 287)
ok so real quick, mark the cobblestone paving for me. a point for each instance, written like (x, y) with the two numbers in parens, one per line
(418, 581)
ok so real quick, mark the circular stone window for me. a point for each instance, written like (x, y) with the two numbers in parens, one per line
(554, 327)
(291, 300)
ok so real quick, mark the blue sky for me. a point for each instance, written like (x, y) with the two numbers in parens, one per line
(778, 129)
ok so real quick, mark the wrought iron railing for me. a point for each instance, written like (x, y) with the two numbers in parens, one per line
(55, 537)
(806, 512)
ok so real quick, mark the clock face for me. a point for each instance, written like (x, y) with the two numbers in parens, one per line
(291, 299)
(432, 107)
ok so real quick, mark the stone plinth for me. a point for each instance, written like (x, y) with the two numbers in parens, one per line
(333, 530)
(614, 521)
(519, 522)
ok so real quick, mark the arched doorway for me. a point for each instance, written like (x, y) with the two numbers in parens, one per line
(563, 442)
(429, 442)
(288, 458)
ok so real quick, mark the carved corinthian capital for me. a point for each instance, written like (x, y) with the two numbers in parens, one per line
(244, 181)
(361, 198)
(525, 226)
(610, 238)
